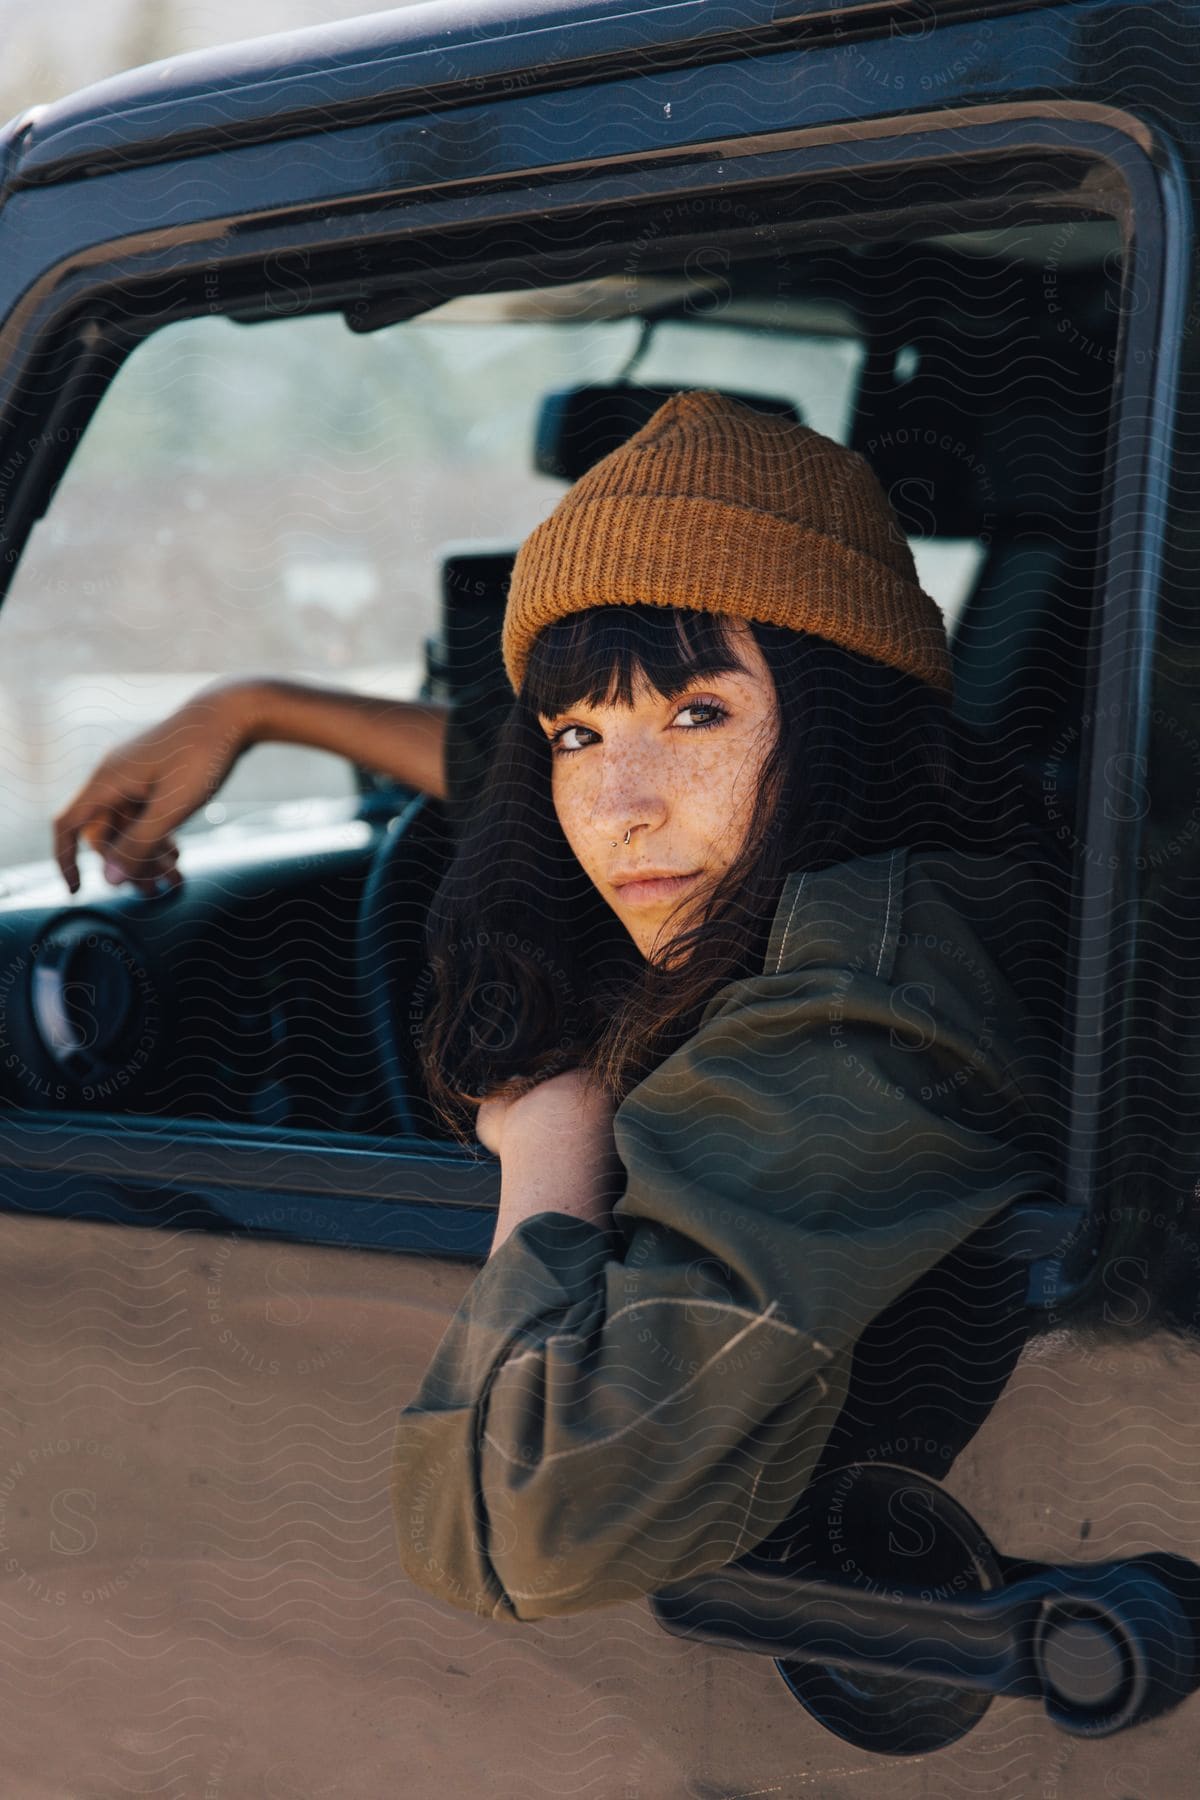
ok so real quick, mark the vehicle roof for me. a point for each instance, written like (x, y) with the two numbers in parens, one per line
(437, 53)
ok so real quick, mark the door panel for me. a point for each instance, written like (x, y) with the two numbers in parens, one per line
(202, 1591)
(1090, 1455)
(202, 1594)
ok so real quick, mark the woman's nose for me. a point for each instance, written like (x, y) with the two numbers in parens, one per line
(630, 791)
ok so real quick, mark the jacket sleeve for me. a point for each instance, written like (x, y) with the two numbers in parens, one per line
(607, 1413)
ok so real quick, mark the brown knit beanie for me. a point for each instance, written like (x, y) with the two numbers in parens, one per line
(717, 506)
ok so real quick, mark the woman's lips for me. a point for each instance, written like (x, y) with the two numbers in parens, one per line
(648, 893)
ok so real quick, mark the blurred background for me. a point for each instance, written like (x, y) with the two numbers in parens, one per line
(53, 46)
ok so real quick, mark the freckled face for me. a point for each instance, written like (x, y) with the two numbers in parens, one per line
(683, 773)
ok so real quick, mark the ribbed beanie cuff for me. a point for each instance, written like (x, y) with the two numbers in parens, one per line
(716, 506)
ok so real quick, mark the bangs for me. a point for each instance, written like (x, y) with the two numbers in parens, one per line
(594, 657)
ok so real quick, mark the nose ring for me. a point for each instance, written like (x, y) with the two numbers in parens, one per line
(614, 842)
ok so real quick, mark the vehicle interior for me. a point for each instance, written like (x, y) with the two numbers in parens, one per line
(279, 990)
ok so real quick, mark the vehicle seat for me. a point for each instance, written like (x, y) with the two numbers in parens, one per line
(995, 437)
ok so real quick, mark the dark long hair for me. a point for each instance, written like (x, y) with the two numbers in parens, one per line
(533, 971)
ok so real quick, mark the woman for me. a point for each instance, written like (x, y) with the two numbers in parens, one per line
(738, 1115)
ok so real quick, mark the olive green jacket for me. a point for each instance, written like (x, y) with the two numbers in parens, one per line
(608, 1412)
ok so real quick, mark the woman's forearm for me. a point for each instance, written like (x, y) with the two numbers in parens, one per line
(591, 1196)
(405, 739)
(557, 1155)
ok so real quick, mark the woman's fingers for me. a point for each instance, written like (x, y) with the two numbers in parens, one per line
(488, 1123)
(146, 787)
(141, 847)
(89, 818)
(567, 1103)
(99, 812)
(66, 835)
(125, 834)
(152, 869)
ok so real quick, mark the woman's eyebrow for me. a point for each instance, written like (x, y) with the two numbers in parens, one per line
(672, 692)
(701, 675)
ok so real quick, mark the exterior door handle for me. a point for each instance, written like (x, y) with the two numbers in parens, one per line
(905, 1669)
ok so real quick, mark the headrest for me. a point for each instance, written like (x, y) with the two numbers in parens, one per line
(988, 430)
(474, 589)
(577, 426)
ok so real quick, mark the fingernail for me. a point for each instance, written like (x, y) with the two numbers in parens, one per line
(113, 872)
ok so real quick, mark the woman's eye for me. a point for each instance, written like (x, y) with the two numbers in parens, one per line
(718, 712)
(706, 706)
(558, 748)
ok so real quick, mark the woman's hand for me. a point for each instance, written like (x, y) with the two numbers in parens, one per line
(489, 1123)
(143, 788)
(568, 1101)
(557, 1152)
(148, 785)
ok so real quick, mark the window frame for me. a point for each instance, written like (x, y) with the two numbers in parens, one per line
(82, 318)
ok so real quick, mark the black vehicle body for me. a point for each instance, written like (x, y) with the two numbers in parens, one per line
(212, 1320)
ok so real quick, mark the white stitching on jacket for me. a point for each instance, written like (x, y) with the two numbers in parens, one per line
(675, 1300)
(790, 917)
(745, 1525)
(595, 1443)
(581, 1587)
(888, 914)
